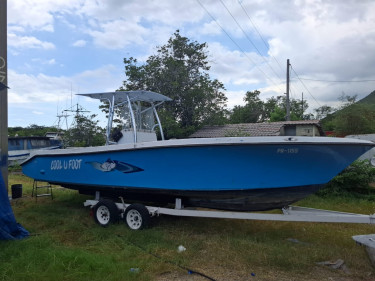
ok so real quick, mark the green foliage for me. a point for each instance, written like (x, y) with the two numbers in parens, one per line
(179, 71)
(66, 244)
(31, 130)
(353, 181)
(323, 111)
(274, 109)
(351, 117)
(355, 119)
(278, 114)
(370, 99)
(85, 132)
(252, 112)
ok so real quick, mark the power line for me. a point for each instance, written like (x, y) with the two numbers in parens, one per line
(234, 42)
(260, 35)
(248, 38)
(305, 86)
(338, 81)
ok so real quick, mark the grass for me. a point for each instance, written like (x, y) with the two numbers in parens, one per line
(66, 244)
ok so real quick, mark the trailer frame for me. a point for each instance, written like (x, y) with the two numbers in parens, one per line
(137, 215)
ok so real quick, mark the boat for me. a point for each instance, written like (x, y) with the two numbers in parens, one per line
(19, 148)
(230, 173)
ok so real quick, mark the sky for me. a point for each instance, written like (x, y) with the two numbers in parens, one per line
(60, 48)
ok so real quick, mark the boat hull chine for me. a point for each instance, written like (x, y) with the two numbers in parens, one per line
(235, 200)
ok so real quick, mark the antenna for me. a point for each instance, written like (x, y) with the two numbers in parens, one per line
(77, 109)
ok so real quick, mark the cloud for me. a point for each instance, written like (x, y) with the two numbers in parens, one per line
(50, 94)
(42, 61)
(119, 33)
(79, 43)
(210, 28)
(165, 12)
(27, 88)
(326, 40)
(39, 14)
(51, 61)
(24, 42)
(37, 112)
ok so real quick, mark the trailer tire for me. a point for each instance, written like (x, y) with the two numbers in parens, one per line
(137, 217)
(106, 212)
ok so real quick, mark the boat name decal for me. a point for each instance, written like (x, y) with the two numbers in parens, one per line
(72, 164)
(287, 151)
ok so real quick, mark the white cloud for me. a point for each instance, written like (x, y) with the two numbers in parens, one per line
(37, 112)
(79, 43)
(326, 40)
(23, 42)
(42, 61)
(119, 33)
(30, 94)
(235, 98)
(27, 88)
(38, 14)
(51, 61)
(210, 28)
(236, 67)
(164, 11)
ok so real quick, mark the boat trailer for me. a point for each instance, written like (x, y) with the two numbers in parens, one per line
(137, 216)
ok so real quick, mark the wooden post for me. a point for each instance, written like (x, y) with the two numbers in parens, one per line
(3, 93)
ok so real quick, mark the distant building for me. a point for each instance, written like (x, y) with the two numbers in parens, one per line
(310, 128)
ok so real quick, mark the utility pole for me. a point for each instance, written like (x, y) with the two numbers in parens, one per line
(287, 91)
(3, 93)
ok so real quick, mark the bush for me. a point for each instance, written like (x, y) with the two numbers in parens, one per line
(353, 180)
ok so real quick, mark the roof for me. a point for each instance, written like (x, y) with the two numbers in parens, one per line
(121, 96)
(251, 129)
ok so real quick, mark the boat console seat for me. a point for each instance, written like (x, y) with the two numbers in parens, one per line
(142, 136)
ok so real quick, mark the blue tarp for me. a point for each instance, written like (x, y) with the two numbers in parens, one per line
(9, 228)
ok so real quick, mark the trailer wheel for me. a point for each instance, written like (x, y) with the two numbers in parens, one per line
(106, 212)
(137, 216)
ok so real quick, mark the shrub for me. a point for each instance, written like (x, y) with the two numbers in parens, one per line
(355, 179)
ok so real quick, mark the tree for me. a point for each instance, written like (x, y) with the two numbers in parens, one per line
(85, 132)
(274, 109)
(351, 117)
(297, 110)
(323, 111)
(252, 112)
(179, 71)
(270, 106)
(355, 119)
(31, 130)
(278, 114)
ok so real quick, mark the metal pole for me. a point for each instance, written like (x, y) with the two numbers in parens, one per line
(157, 118)
(111, 112)
(133, 119)
(3, 93)
(287, 91)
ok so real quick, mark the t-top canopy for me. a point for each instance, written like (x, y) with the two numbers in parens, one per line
(121, 96)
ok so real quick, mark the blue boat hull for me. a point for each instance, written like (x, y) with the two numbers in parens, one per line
(240, 176)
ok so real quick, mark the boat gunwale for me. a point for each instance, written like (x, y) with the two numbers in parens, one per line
(201, 142)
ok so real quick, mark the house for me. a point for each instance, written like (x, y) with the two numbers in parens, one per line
(310, 128)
